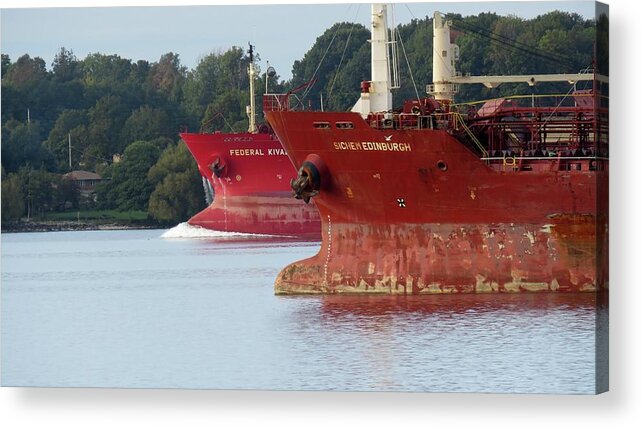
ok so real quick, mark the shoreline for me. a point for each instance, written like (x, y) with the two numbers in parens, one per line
(69, 226)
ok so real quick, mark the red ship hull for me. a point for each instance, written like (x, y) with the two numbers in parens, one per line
(415, 211)
(250, 176)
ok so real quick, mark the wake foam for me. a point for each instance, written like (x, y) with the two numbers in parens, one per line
(185, 230)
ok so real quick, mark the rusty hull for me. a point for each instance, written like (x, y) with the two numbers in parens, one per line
(429, 216)
(440, 259)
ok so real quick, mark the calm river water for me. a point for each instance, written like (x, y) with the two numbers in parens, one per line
(136, 310)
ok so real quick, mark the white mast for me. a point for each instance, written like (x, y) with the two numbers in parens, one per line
(251, 109)
(444, 55)
(446, 80)
(375, 94)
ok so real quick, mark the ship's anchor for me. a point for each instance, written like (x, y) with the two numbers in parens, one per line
(307, 183)
(217, 167)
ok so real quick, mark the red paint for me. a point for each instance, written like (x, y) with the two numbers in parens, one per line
(411, 211)
(250, 174)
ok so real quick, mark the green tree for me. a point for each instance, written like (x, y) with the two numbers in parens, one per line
(104, 75)
(129, 188)
(167, 76)
(26, 71)
(24, 145)
(105, 70)
(214, 76)
(39, 189)
(65, 65)
(69, 122)
(602, 43)
(226, 113)
(66, 87)
(337, 45)
(67, 194)
(178, 193)
(12, 198)
(25, 91)
(343, 90)
(6, 62)
(147, 123)
(176, 158)
(174, 200)
(106, 120)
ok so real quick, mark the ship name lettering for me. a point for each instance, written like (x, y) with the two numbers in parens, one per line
(372, 146)
(276, 152)
(237, 139)
(246, 152)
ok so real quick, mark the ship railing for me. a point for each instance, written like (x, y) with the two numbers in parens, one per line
(546, 108)
(282, 102)
(409, 121)
(534, 123)
(543, 100)
(415, 121)
(514, 163)
(459, 124)
(509, 158)
(556, 132)
(276, 102)
(390, 120)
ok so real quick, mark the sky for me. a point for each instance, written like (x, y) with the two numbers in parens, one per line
(281, 33)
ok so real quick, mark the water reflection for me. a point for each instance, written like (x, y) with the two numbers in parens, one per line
(337, 306)
(459, 343)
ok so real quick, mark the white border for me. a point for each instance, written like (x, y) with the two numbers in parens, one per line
(26, 407)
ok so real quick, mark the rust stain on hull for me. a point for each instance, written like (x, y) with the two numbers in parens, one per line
(559, 256)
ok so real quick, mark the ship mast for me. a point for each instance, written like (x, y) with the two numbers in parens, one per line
(376, 95)
(251, 109)
(444, 55)
(446, 79)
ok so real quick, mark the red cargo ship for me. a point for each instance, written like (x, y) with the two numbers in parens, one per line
(505, 197)
(247, 176)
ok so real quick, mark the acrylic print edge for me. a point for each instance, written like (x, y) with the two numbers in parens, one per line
(602, 199)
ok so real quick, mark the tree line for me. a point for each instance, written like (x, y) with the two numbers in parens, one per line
(122, 117)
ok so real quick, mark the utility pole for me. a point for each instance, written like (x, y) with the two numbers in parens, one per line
(70, 151)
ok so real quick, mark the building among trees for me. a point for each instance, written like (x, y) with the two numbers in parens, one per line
(85, 182)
